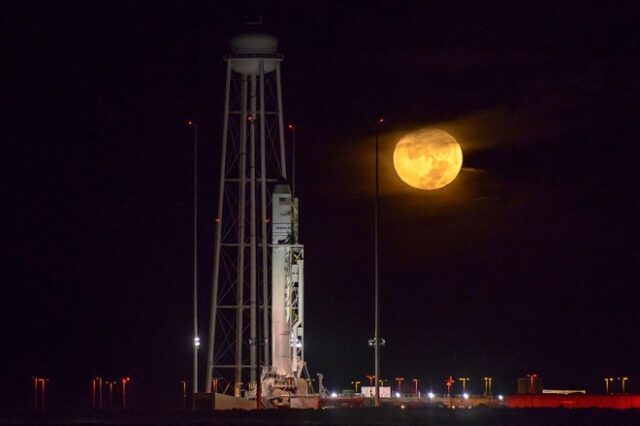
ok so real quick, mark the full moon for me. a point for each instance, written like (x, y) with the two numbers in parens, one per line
(427, 159)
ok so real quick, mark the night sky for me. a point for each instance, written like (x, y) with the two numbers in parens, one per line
(528, 262)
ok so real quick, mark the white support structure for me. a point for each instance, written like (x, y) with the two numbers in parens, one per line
(249, 344)
(252, 160)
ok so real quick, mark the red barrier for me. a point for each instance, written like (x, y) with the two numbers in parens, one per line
(619, 402)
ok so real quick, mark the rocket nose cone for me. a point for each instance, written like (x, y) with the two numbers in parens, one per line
(281, 189)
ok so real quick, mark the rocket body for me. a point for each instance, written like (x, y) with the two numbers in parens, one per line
(287, 290)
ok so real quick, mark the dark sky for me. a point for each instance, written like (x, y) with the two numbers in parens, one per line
(528, 262)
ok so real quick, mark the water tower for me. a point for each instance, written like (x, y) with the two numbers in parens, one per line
(252, 191)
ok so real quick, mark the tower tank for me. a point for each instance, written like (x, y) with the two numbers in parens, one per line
(249, 50)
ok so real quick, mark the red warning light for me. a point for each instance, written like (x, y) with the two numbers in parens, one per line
(381, 120)
(190, 123)
(217, 220)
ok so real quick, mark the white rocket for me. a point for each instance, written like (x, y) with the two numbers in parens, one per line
(287, 288)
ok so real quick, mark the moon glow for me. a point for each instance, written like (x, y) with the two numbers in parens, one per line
(427, 159)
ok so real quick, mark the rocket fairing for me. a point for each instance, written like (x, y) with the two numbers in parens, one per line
(287, 287)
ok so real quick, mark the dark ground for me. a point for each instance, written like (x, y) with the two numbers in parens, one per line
(429, 416)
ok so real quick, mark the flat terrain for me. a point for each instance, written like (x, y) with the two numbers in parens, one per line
(384, 416)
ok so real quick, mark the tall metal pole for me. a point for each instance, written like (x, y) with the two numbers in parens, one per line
(283, 157)
(263, 208)
(218, 238)
(196, 339)
(377, 301)
(293, 161)
(263, 195)
(240, 273)
(254, 250)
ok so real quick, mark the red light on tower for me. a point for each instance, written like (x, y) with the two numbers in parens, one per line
(380, 120)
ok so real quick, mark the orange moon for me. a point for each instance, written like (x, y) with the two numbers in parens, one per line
(427, 159)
